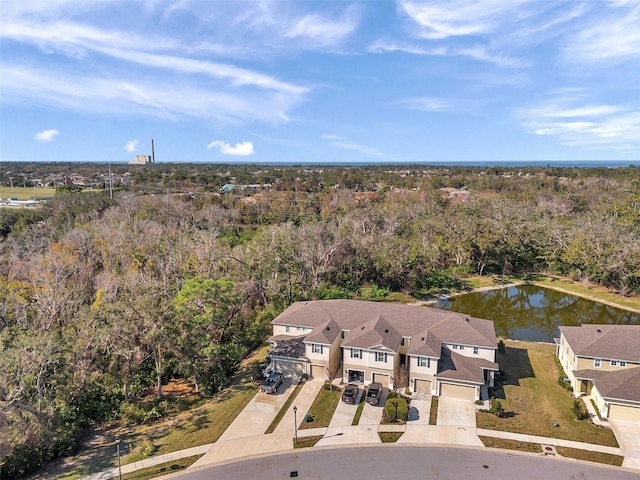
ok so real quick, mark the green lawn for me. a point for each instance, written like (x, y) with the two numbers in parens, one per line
(162, 469)
(588, 456)
(29, 193)
(533, 401)
(356, 417)
(322, 408)
(307, 442)
(433, 413)
(508, 444)
(390, 437)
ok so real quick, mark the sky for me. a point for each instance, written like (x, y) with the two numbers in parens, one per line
(320, 81)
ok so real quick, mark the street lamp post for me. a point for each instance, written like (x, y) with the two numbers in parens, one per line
(118, 448)
(295, 424)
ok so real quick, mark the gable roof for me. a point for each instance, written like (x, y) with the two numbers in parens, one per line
(616, 342)
(621, 384)
(434, 324)
(324, 333)
(454, 366)
(377, 332)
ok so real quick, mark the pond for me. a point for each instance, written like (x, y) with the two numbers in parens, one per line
(529, 312)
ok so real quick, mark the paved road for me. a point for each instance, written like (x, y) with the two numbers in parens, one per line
(387, 461)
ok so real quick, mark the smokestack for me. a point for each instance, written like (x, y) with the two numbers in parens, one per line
(153, 153)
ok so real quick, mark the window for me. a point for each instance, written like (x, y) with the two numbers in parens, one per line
(287, 329)
(315, 348)
(424, 362)
(455, 347)
(622, 363)
(342, 334)
(381, 357)
(301, 329)
(356, 353)
(475, 350)
(461, 347)
(402, 342)
(597, 362)
(574, 359)
(613, 363)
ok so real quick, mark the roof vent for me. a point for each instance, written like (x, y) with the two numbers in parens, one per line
(599, 331)
(467, 319)
(386, 330)
(422, 339)
(362, 328)
(328, 328)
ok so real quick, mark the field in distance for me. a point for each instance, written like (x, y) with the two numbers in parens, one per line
(29, 193)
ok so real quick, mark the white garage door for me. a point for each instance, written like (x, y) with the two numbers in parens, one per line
(457, 391)
(317, 371)
(423, 386)
(381, 378)
(622, 412)
(288, 368)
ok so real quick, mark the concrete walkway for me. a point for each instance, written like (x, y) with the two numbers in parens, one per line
(549, 441)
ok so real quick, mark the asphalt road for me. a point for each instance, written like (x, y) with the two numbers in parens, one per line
(406, 462)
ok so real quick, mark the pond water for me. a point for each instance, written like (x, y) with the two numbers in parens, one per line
(529, 312)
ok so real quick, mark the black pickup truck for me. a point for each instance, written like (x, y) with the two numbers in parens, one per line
(272, 382)
(374, 392)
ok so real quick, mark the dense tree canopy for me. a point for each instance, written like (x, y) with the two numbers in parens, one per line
(103, 300)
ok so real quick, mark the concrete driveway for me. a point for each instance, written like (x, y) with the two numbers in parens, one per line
(628, 435)
(456, 412)
(258, 414)
(373, 415)
(302, 402)
(344, 413)
(419, 410)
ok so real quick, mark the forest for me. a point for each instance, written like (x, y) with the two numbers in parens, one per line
(103, 300)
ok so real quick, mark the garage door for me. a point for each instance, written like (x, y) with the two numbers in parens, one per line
(317, 371)
(288, 368)
(423, 386)
(458, 391)
(380, 378)
(624, 413)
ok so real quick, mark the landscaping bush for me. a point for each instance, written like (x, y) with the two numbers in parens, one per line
(496, 408)
(396, 405)
(580, 410)
(501, 348)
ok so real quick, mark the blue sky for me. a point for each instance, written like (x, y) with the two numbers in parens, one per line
(320, 81)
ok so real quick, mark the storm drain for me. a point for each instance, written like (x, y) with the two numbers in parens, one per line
(549, 450)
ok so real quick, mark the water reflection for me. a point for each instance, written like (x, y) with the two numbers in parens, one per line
(529, 312)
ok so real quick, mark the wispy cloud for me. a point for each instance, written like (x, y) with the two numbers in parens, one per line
(242, 149)
(427, 104)
(340, 142)
(131, 146)
(322, 30)
(593, 127)
(610, 38)
(46, 135)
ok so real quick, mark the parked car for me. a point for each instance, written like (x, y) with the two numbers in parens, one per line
(350, 394)
(374, 393)
(272, 382)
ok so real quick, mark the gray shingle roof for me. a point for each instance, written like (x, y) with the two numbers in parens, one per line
(374, 333)
(291, 347)
(458, 367)
(617, 342)
(623, 384)
(324, 333)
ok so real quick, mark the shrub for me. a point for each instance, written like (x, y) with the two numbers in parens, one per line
(373, 292)
(580, 410)
(501, 348)
(496, 408)
(396, 409)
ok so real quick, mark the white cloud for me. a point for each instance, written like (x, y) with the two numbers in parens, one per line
(321, 30)
(242, 149)
(610, 39)
(427, 104)
(46, 135)
(362, 149)
(131, 146)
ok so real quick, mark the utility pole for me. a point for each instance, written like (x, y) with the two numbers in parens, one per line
(110, 184)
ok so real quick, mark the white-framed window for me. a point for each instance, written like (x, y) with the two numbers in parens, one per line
(381, 357)
(461, 347)
(402, 342)
(424, 362)
(316, 348)
(301, 329)
(342, 334)
(475, 350)
(613, 363)
(622, 363)
(455, 347)
(287, 328)
(597, 362)
(574, 358)
(356, 353)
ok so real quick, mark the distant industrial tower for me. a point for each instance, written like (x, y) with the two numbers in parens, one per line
(145, 159)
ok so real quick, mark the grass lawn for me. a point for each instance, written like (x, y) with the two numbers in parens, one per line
(28, 193)
(587, 456)
(201, 425)
(433, 414)
(322, 409)
(356, 417)
(162, 469)
(390, 437)
(507, 444)
(533, 401)
(307, 442)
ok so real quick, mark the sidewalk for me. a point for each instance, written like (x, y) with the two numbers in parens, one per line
(550, 441)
